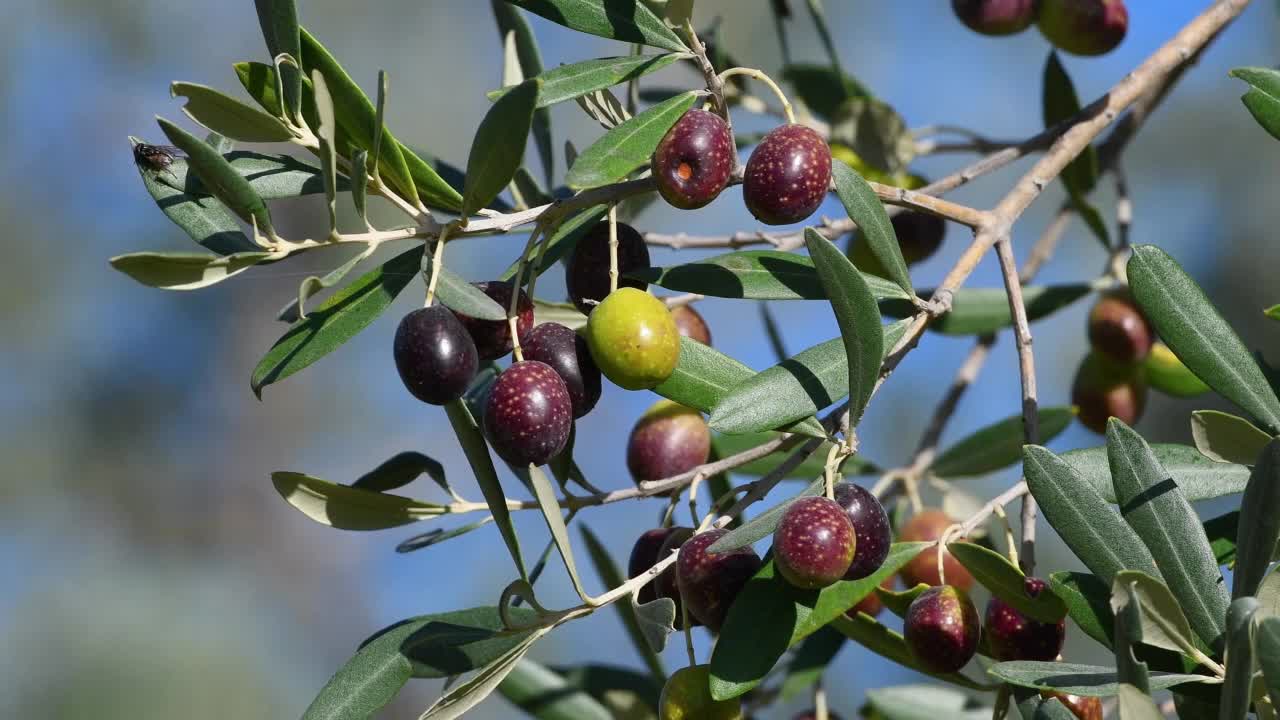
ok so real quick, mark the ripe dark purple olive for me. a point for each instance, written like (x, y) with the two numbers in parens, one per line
(693, 161)
(787, 175)
(1014, 636)
(813, 543)
(529, 414)
(666, 585)
(587, 278)
(871, 524)
(1084, 27)
(709, 582)
(928, 526)
(919, 235)
(941, 629)
(644, 555)
(1119, 329)
(493, 337)
(690, 324)
(1103, 389)
(996, 17)
(566, 352)
(667, 440)
(434, 354)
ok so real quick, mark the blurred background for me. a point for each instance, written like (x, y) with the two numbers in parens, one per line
(153, 572)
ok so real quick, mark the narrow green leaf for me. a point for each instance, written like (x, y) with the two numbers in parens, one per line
(326, 134)
(313, 284)
(400, 470)
(477, 452)
(1269, 593)
(865, 209)
(822, 88)
(612, 577)
(1130, 632)
(360, 184)
(770, 615)
(336, 320)
(227, 116)
(1088, 602)
(202, 218)
(1075, 679)
(220, 178)
(511, 22)
(998, 445)
(564, 313)
(1263, 98)
(551, 512)
(1061, 102)
(544, 694)
(1033, 706)
(1239, 659)
(793, 389)
(350, 508)
(1199, 477)
(924, 702)
(1273, 312)
(875, 132)
(279, 22)
(273, 177)
(563, 240)
(498, 148)
(429, 646)
(810, 662)
(856, 314)
(624, 20)
(812, 467)
(1222, 532)
(185, 271)
(1087, 523)
(898, 601)
(577, 79)
(627, 146)
(704, 376)
(1135, 704)
(1198, 335)
(1156, 509)
(762, 525)
(462, 698)
(890, 645)
(1266, 642)
(1227, 438)
(455, 293)
(422, 541)
(1163, 623)
(994, 572)
(981, 311)
(755, 275)
(1259, 523)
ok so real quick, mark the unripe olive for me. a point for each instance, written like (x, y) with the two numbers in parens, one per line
(687, 696)
(633, 339)
(1084, 27)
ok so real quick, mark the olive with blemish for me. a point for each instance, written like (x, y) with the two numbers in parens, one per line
(529, 414)
(587, 276)
(434, 355)
(493, 337)
(814, 543)
(693, 161)
(566, 352)
(787, 175)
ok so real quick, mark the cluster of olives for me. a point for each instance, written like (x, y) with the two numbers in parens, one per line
(785, 180)
(1110, 381)
(1080, 27)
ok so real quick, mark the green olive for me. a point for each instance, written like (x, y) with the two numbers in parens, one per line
(633, 339)
(687, 696)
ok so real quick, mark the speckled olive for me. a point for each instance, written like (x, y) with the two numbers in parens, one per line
(870, 523)
(587, 276)
(1102, 389)
(667, 440)
(1014, 636)
(566, 352)
(928, 526)
(644, 555)
(434, 354)
(529, 414)
(787, 175)
(995, 17)
(1119, 329)
(687, 696)
(1084, 27)
(633, 339)
(690, 324)
(709, 582)
(813, 543)
(693, 161)
(666, 585)
(493, 337)
(871, 604)
(941, 629)
(1084, 708)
